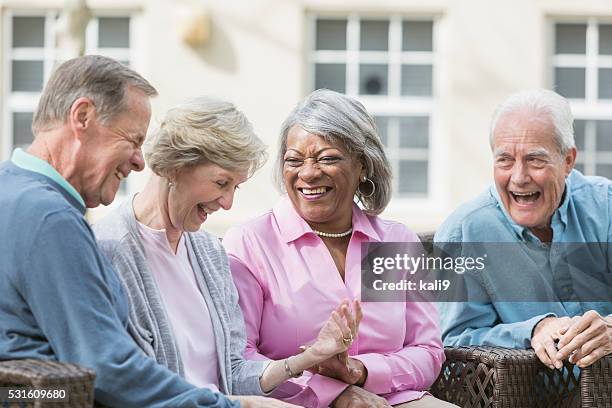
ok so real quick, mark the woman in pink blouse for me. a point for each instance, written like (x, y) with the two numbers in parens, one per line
(293, 264)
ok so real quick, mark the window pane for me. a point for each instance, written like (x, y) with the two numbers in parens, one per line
(570, 82)
(570, 39)
(417, 36)
(579, 133)
(604, 170)
(28, 31)
(331, 76)
(605, 39)
(114, 32)
(579, 167)
(373, 79)
(27, 76)
(22, 129)
(414, 131)
(382, 123)
(412, 177)
(331, 35)
(604, 86)
(416, 80)
(374, 35)
(604, 135)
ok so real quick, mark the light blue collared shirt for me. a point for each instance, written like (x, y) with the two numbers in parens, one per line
(585, 215)
(32, 163)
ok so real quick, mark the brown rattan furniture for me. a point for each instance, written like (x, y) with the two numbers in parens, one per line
(39, 374)
(496, 377)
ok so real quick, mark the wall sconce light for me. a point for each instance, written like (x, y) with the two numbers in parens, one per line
(194, 24)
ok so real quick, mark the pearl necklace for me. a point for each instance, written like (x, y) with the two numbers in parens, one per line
(333, 235)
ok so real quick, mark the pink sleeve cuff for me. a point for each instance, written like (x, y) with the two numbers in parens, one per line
(378, 380)
(326, 389)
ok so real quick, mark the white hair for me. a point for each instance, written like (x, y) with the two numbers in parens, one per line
(342, 120)
(541, 102)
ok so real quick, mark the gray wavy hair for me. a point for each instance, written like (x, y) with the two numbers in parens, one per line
(342, 120)
(541, 101)
(204, 130)
(99, 78)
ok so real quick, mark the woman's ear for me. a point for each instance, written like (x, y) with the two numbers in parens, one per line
(363, 173)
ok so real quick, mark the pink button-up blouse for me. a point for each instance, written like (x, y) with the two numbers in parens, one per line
(288, 286)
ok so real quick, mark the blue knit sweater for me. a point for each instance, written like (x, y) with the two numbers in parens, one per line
(61, 300)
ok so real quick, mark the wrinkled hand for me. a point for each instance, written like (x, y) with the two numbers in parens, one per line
(253, 401)
(343, 368)
(341, 325)
(543, 340)
(356, 397)
(586, 340)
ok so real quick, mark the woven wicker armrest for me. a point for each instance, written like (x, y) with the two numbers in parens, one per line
(78, 381)
(500, 377)
(487, 377)
(596, 384)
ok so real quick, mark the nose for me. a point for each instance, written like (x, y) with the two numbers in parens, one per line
(227, 199)
(138, 163)
(310, 170)
(520, 174)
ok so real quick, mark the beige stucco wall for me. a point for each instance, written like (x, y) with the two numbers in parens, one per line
(485, 49)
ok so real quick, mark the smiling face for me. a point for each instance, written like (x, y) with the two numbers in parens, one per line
(199, 191)
(529, 170)
(113, 150)
(321, 179)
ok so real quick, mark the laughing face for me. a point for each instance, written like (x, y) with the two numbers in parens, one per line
(321, 179)
(111, 151)
(197, 192)
(529, 170)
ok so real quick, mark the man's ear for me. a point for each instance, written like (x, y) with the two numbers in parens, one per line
(82, 115)
(570, 160)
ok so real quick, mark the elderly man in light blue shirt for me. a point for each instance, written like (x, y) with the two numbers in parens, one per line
(538, 198)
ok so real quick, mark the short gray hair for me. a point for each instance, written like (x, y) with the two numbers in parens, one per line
(201, 131)
(99, 78)
(541, 101)
(341, 119)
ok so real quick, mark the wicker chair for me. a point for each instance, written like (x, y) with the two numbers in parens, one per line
(38, 374)
(496, 377)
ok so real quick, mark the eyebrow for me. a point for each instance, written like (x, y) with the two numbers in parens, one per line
(539, 152)
(318, 152)
(533, 153)
(500, 152)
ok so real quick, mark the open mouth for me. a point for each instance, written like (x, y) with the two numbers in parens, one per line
(314, 193)
(119, 175)
(525, 198)
(204, 211)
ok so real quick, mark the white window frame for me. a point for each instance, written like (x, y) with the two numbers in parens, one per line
(590, 108)
(392, 104)
(27, 101)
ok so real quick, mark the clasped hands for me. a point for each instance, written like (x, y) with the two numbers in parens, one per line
(583, 339)
(342, 367)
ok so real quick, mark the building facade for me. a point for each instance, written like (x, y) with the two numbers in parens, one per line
(431, 72)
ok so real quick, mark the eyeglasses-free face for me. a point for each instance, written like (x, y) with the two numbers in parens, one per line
(321, 179)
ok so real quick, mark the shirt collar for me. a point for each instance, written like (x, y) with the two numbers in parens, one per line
(560, 213)
(32, 163)
(292, 226)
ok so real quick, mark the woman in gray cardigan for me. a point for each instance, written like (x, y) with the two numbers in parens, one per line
(184, 308)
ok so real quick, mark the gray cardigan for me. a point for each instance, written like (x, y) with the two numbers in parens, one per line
(148, 324)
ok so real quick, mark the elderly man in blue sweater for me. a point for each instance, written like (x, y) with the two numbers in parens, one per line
(537, 199)
(59, 297)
